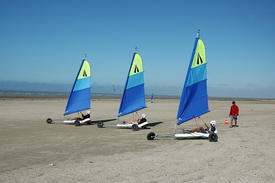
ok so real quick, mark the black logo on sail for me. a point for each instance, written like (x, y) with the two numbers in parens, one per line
(199, 60)
(136, 69)
(85, 74)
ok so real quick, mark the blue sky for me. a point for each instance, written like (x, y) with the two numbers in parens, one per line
(44, 42)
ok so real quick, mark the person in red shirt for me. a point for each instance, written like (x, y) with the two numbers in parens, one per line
(233, 114)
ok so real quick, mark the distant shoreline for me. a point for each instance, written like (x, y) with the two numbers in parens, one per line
(35, 94)
(65, 95)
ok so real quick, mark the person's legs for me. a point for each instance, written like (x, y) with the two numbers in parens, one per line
(132, 122)
(236, 121)
(203, 130)
(231, 125)
(197, 129)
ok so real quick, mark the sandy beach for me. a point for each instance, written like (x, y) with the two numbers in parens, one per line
(33, 151)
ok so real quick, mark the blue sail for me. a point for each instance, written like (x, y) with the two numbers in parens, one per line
(194, 98)
(80, 97)
(133, 98)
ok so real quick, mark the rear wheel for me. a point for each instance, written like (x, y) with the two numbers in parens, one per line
(135, 127)
(77, 123)
(49, 121)
(213, 137)
(151, 136)
(89, 122)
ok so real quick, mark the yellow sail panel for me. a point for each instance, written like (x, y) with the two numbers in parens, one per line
(199, 57)
(84, 71)
(136, 65)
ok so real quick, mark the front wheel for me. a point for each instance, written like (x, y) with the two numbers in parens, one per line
(213, 137)
(100, 125)
(151, 136)
(49, 121)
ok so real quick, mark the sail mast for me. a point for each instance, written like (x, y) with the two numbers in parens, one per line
(198, 33)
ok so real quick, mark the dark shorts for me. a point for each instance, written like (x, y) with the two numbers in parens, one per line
(234, 118)
(203, 130)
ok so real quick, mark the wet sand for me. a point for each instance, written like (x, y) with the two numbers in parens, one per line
(33, 151)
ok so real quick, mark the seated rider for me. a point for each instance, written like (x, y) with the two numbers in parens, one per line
(87, 115)
(143, 119)
(139, 121)
(212, 128)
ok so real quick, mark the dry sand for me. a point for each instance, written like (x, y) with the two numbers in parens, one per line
(33, 151)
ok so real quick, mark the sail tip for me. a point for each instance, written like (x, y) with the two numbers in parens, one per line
(136, 49)
(198, 33)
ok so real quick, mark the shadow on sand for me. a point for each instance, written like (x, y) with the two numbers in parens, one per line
(152, 124)
(93, 122)
(102, 120)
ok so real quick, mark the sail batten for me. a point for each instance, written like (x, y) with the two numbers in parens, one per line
(80, 96)
(133, 98)
(194, 98)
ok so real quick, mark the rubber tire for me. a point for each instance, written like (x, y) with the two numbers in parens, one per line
(100, 125)
(49, 121)
(151, 136)
(76, 123)
(213, 137)
(135, 127)
(89, 122)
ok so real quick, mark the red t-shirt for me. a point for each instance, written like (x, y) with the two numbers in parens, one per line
(234, 111)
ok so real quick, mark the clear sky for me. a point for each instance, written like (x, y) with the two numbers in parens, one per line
(44, 42)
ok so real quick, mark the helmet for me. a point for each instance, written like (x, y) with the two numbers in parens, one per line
(143, 115)
(213, 123)
(88, 111)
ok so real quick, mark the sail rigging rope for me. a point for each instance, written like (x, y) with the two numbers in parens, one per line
(196, 122)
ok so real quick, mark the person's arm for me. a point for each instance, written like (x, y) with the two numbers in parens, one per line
(207, 127)
(142, 120)
(82, 115)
